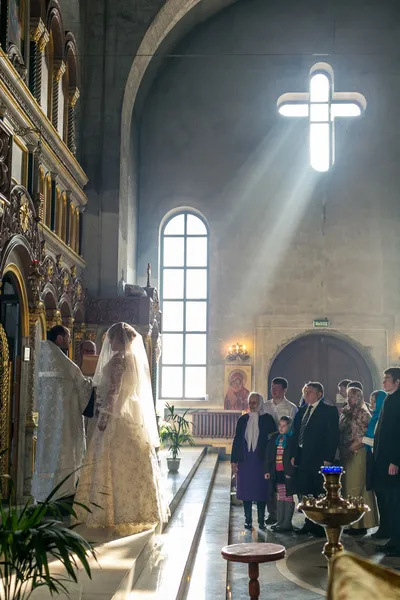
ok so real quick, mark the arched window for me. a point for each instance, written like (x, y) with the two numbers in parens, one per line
(184, 296)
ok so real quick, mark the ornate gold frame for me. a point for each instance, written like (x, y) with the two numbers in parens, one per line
(5, 406)
(23, 297)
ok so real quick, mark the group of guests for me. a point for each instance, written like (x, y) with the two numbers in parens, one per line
(278, 451)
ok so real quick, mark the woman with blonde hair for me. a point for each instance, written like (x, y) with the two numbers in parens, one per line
(121, 480)
(248, 454)
(353, 425)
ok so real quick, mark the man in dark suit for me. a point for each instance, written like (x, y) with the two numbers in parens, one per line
(387, 458)
(316, 438)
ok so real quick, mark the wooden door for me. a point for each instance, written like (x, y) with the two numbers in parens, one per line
(322, 358)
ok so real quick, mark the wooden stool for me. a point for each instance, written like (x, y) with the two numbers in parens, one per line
(253, 555)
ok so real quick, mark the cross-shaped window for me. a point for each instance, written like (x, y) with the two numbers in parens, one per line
(322, 105)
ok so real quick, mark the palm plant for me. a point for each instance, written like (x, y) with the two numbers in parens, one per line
(32, 536)
(175, 431)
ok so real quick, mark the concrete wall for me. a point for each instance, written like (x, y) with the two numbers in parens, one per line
(286, 242)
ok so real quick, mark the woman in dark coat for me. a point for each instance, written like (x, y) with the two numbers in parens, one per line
(248, 456)
(280, 472)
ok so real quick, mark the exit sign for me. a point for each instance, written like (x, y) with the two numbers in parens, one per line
(321, 323)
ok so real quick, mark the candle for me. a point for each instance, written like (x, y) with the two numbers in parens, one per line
(331, 470)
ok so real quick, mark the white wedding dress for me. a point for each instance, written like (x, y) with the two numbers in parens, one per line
(120, 480)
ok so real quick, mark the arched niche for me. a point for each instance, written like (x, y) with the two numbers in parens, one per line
(327, 357)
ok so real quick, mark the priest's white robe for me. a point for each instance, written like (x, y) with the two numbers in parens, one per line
(62, 395)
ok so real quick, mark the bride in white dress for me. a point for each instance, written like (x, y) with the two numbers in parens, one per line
(121, 474)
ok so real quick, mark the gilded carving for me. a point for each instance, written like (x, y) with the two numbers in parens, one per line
(70, 322)
(43, 250)
(59, 70)
(5, 161)
(73, 96)
(25, 215)
(20, 219)
(35, 279)
(5, 410)
(44, 40)
(37, 30)
(91, 336)
(50, 270)
(65, 281)
(53, 318)
(79, 331)
(79, 291)
(35, 313)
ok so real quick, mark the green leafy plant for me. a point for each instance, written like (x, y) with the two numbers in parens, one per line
(175, 431)
(33, 535)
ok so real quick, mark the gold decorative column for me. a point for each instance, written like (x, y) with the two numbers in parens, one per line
(53, 318)
(79, 336)
(35, 314)
(39, 40)
(58, 72)
(73, 97)
(69, 322)
(5, 411)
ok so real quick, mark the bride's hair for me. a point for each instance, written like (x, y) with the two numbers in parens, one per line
(122, 332)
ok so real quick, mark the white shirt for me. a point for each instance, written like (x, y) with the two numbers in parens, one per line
(284, 408)
(313, 407)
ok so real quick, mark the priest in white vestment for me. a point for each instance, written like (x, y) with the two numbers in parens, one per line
(62, 395)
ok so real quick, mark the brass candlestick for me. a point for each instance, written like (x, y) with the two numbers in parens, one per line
(332, 511)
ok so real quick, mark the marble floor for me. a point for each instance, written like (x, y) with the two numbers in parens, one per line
(303, 574)
(120, 561)
(184, 561)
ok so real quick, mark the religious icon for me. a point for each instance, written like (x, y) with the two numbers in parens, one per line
(237, 382)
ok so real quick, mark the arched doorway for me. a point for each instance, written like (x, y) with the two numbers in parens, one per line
(10, 323)
(320, 357)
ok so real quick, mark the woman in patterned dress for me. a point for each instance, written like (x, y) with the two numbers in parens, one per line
(353, 425)
(121, 480)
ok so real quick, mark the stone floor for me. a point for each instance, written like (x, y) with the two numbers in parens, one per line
(184, 561)
(303, 574)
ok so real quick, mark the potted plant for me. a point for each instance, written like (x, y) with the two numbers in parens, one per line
(29, 538)
(174, 433)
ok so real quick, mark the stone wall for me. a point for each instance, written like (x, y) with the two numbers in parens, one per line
(114, 32)
(286, 242)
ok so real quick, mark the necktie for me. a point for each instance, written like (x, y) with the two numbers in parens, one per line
(304, 424)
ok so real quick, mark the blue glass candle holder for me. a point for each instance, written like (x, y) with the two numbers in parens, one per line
(331, 470)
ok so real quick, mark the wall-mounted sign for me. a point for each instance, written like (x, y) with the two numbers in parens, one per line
(27, 354)
(321, 323)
